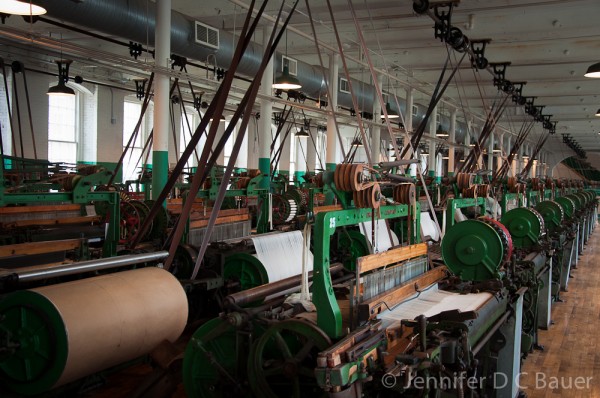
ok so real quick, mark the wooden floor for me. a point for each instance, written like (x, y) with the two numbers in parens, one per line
(570, 364)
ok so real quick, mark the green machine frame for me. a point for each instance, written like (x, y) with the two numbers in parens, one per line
(453, 204)
(329, 316)
(81, 194)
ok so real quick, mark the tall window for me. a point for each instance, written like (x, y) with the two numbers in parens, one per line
(228, 149)
(62, 128)
(187, 128)
(132, 163)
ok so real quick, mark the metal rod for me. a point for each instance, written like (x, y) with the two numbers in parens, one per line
(260, 292)
(88, 266)
(490, 333)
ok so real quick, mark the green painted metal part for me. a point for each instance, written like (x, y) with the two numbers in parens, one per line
(34, 340)
(568, 206)
(576, 200)
(282, 360)
(264, 165)
(246, 269)
(453, 204)
(211, 354)
(329, 317)
(524, 226)
(355, 244)
(552, 213)
(473, 250)
(160, 172)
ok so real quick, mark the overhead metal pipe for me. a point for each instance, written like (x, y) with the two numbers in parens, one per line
(88, 266)
(135, 20)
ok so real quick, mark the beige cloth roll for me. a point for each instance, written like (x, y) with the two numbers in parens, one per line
(115, 318)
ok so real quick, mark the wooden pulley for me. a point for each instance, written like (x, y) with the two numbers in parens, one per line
(511, 183)
(253, 173)
(483, 190)
(242, 182)
(464, 180)
(338, 176)
(405, 193)
(470, 192)
(537, 184)
(374, 196)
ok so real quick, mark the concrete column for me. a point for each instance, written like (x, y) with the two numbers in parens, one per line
(452, 141)
(431, 164)
(160, 152)
(311, 150)
(266, 114)
(301, 143)
(252, 148)
(408, 117)
(332, 140)
(284, 160)
(490, 163)
(376, 130)
(502, 150)
(467, 143)
(242, 159)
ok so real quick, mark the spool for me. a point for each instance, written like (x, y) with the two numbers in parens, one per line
(68, 331)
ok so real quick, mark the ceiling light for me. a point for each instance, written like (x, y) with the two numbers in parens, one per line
(445, 157)
(15, 7)
(392, 114)
(356, 142)
(302, 133)
(221, 120)
(63, 77)
(285, 81)
(593, 70)
(496, 150)
(598, 112)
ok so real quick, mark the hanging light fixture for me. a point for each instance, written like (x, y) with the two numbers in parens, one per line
(61, 88)
(286, 81)
(440, 132)
(598, 112)
(302, 133)
(388, 109)
(16, 7)
(593, 71)
(392, 114)
(356, 142)
(220, 120)
(140, 90)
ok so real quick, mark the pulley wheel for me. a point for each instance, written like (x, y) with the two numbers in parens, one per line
(525, 225)
(473, 250)
(282, 361)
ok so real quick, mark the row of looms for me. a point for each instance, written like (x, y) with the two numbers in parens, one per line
(420, 258)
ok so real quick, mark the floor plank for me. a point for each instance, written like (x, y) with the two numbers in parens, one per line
(570, 364)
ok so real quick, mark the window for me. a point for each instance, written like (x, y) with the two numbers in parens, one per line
(187, 129)
(415, 110)
(62, 128)
(291, 63)
(228, 149)
(132, 163)
(344, 86)
(293, 141)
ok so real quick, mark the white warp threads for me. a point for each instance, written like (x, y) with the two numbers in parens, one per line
(281, 254)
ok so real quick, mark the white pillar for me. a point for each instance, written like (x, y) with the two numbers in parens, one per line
(266, 114)
(311, 150)
(376, 130)
(300, 156)
(242, 158)
(284, 159)
(490, 163)
(160, 153)
(502, 150)
(452, 141)
(431, 164)
(330, 158)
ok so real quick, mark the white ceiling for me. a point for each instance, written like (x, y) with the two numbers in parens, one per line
(550, 44)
